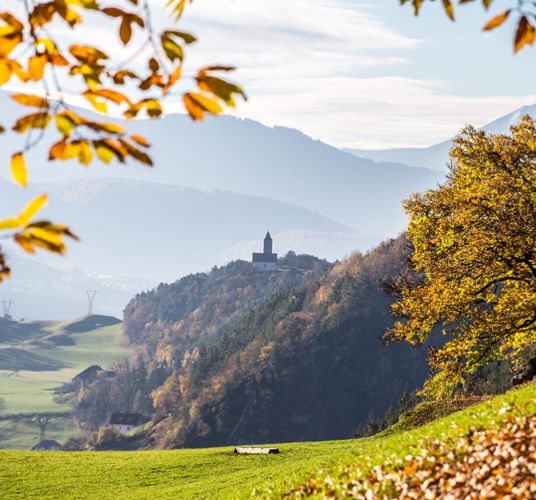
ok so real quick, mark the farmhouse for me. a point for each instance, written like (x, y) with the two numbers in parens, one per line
(90, 374)
(266, 261)
(125, 422)
(47, 445)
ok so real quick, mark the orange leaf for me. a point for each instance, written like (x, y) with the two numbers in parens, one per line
(36, 67)
(30, 100)
(525, 35)
(125, 31)
(142, 141)
(497, 21)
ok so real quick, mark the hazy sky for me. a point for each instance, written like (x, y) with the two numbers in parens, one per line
(358, 73)
(366, 73)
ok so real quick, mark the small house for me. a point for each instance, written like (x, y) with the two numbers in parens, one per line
(125, 422)
(88, 375)
(47, 445)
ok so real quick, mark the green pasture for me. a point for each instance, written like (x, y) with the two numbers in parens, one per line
(32, 365)
(218, 473)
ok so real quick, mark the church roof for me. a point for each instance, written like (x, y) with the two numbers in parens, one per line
(264, 257)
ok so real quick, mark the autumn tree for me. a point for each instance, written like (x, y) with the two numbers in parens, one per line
(474, 258)
(31, 55)
(522, 12)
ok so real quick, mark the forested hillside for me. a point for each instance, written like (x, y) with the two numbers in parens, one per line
(234, 356)
(169, 324)
(305, 365)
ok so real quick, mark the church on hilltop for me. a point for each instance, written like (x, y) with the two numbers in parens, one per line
(266, 261)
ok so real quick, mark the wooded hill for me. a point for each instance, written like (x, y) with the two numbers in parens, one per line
(169, 324)
(234, 356)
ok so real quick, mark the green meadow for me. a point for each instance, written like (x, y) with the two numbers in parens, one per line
(218, 473)
(36, 358)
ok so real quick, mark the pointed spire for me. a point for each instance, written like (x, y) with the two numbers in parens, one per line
(268, 243)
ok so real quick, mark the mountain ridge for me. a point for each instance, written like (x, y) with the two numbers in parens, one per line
(436, 155)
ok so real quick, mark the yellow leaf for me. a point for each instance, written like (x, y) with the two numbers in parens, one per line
(112, 95)
(100, 106)
(19, 170)
(104, 153)
(71, 17)
(36, 67)
(153, 108)
(220, 88)
(43, 234)
(172, 49)
(33, 207)
(11, 223)
(5, 72)
(64, 125)
(198, 104)
(35, 120)
(84, 154)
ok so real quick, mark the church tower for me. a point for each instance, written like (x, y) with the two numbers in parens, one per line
(266, 261)
(268, 243)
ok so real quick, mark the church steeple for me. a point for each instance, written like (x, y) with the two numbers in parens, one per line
(268, 243)
(266, 261)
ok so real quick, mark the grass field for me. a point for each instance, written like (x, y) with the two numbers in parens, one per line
(217, 473)
(28, 379)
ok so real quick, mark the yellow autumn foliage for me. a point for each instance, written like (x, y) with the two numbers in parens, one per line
(474, 257)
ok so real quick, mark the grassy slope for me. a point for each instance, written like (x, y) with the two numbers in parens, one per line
(217, 473)
(30, 391)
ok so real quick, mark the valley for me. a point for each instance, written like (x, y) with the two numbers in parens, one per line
(38, 357)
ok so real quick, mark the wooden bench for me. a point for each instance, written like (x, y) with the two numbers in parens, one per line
(255, 451)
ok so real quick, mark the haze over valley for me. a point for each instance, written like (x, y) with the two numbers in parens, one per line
(203, 206)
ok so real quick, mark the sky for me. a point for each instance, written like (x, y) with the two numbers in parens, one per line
(354, 73)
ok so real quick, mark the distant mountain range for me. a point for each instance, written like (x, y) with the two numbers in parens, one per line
(436, 156)
(243, 156)
(215, 189)
(152, 232)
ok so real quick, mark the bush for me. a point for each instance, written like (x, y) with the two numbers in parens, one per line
(74, 444)
(106, 437)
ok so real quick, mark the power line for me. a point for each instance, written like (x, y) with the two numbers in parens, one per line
(90, 298)
(7, 304)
